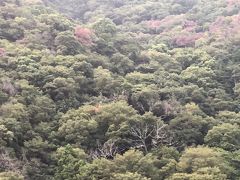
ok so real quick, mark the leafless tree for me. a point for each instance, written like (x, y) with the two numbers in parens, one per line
(10, 164)
(162, 135)
(141, 133)
(107, 150)
(150, 135)
(8, 87)
(171, 107)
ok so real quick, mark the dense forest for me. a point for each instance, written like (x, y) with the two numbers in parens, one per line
(120, 89)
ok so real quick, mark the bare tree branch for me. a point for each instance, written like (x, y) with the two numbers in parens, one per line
(9, 164)
(107, 150)
(147, 136)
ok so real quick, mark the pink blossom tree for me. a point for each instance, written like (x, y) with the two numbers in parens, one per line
(84, 35)
(2, 52)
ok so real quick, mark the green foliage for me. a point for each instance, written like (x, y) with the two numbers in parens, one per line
(130, 164)
(203, 163)
(75, 127)
(224, 136)
(66, 44)
(129, 176)
(104, 28)
(69, 160)
(202, 174)
(119, 89)
(190, 129)
(10, 176)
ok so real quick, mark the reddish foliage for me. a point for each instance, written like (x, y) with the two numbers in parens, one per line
(97, 108)
(153, 24)
(217, 26)
(84, 35)
(233, 2)
(189, 25)
(187, 40)
(2, 52)
(166, 23)
(226, 27)
(172, 20)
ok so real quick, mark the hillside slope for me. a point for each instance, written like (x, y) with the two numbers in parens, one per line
(119, 90)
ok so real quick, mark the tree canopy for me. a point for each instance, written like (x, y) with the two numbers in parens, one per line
(120, 89)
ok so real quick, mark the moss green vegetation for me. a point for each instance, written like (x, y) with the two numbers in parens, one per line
(119, 90)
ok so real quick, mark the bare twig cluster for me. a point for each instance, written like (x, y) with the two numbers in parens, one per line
(9, 164)
(107, 150)
(151, 135)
